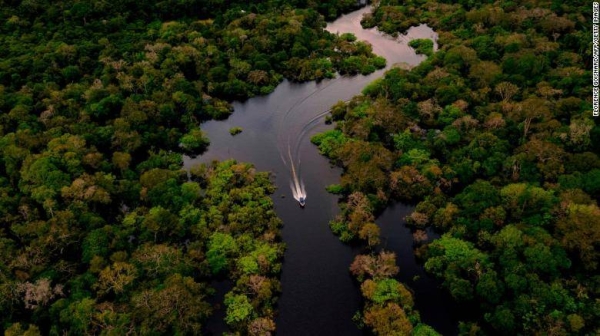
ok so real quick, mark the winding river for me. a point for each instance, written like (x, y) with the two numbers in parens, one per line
(319, 296)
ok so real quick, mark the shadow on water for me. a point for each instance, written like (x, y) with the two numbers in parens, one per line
(215, 324)
(319, 296)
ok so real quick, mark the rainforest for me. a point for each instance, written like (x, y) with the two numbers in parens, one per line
(188, 167)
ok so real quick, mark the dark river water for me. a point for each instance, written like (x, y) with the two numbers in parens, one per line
(319, 296)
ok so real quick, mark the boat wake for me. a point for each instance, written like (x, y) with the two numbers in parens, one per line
(295, 139)
(297, 185)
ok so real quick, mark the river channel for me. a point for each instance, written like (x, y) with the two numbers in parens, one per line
(319, 296)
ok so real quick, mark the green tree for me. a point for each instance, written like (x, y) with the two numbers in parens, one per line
(239, 308)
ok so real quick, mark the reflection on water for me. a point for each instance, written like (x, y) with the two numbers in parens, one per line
(319, 296)
(395, 50)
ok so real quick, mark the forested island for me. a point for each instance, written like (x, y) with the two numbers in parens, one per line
(491, 138)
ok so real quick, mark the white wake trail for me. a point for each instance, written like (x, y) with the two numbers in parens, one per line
(297, 186)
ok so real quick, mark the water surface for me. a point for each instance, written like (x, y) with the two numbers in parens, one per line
(319, 296)
(434, 305)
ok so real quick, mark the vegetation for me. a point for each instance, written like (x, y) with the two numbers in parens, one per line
(389, 304)
(235, 131)
(493, 138)
(148, 269)
(422, 46)
(101, 232)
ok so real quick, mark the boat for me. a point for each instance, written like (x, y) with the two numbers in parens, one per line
(302, 201)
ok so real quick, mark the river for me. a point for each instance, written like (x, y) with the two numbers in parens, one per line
(319, 296)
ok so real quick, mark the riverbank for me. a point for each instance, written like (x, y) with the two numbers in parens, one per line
(319, 296)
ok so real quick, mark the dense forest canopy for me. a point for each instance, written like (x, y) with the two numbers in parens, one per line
(493, 139)
(101, 232)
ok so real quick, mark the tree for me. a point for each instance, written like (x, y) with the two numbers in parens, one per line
(407, 183)
(159, 261)
(262, 327)
(548, 157)
(377, 267)
(220, 247)
(484, 73)
(580, 232)
(457, 261)
(177, 306)
(389, 319)
(367, 165)
(39, 293)
(194, 141)
(78, 315)
(506, 90)
(389, 290)
(489, 288)
(239, 308)
(121, 160)
(529, 110)
(477, 197)
(17, 330)
(524, 200)
(370, 233)
(579, 132)
(116, 278)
